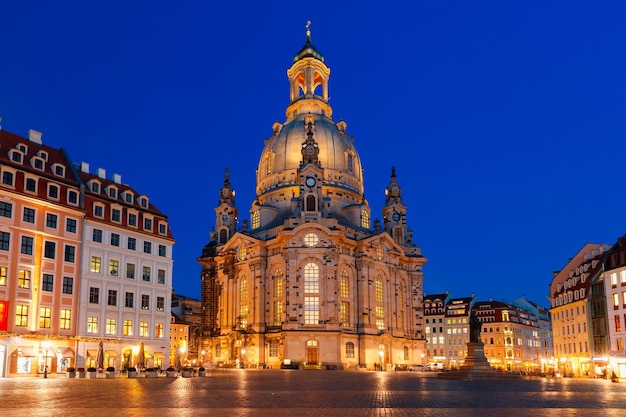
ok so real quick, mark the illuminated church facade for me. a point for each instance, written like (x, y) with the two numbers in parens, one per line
(308, 280)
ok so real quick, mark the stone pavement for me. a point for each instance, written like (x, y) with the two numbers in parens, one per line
(311, 393)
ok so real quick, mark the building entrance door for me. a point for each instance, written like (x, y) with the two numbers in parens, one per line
(312, 357)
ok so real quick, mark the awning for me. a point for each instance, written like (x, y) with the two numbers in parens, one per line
(66, 352)
(112, 354)
(26, 351)
(159, 355)
(92, 353)
(147, 355)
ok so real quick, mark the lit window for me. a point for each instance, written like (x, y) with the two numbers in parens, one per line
(365, 219)
(311, 239)
(45, 317)
(159, 333)
(143, 329)
(23, 279)
(311, 278)
(311, 310)
(114, 267)
(111, 326)
(65, 319)
(92, 325)
(256, 219)
(349, 350)
(345, 313)
(21, 315)
(128, 328)
(278, 283)
(96, 264)
(3, 276)
(380, 318)
(379, 289)
(274, 345)
(278, 313)
(344, 284)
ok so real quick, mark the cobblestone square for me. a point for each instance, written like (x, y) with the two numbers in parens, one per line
(310, 393)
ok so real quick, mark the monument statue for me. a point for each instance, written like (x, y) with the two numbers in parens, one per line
(475, 328)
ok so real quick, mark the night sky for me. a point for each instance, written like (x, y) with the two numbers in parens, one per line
(505, 120)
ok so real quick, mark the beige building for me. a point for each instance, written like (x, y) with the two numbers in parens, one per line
(571, 320)
(309, 280)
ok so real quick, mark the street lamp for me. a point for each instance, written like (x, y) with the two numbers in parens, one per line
(46, 346)
(381, 353)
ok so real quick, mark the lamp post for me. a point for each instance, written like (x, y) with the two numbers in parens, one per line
(381, 353)
(46, 346)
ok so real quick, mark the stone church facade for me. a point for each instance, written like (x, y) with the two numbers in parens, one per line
(308, 280)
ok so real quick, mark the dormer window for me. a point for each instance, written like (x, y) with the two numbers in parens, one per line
(59, 170)
(37, 162)
(113, 192)
(128, 197)
(30, 185)
(132, 219)
(162, 228)
(98, 210)
(22, 148)
(95, 187)
(143, 201)
(7, 178)
(53, 191)
(16, 156)
(147, 224)
(43, 155)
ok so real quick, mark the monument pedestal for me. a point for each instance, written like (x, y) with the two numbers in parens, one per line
(476, 365)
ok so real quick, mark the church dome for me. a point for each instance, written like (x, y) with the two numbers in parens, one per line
(282, 154)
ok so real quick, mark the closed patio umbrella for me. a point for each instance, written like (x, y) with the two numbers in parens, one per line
(100, 356)
(141, 357)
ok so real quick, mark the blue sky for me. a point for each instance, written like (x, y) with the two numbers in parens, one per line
(505, 120)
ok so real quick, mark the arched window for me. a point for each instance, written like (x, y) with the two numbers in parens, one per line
(311, 278)
(274, 348)
(223, 236)
(397, 235)
(365, 219)
(243, 302)
(268, 165)
(349, 350)
(311, 203)
(278, 283)
(256, 219)
(344, 284)
(350, 163)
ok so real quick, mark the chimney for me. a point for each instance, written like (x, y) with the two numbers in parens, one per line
(84, 167)
(34, 136)
(117, 178)
(102, 173)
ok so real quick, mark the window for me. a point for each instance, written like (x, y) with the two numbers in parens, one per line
(59, 170)
(345, 313)
(130, 271)
(311, 278)
(97, 235)
(5, 240)
(51, 220)
(3, 276)
(27, 245)
(111, 327)
(47, 283)
(615, 301)
(112, 299)
(162, 228)
(618, 324)
(128, 328)
(23, 279)
(380, 318)
(256, 219)
(311, 239)
(29, 215)
(39, 164)
(278, 283)
(114, 267)
(158, 331)
(146, 273)
(128, 197)
(49, 250)
(147, 247)
(115, 239)
(143, 329)
(94, 295)
(278, 313)
(70, 225)
(161, 276)
(160, 303)
(65, 319)
(132, 243)
(21, 315)
(113, 193)
(344, 284)
(365, 219)
(6, 209)
(72, 197)
(147, 224)
(145, 302)
(45, 317)
(162, 250)
(132, 219)
(31, 185)
(95, 187)
(379, 289)
(274, 348)
(116, 215)
(68, 285)
(129, 301)
(70, 253)
(98, 211)
(92, 325)
(96, 264)
(349, 350)
(144, 202)
(7, 178)
(311, 310)
(53, 191)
